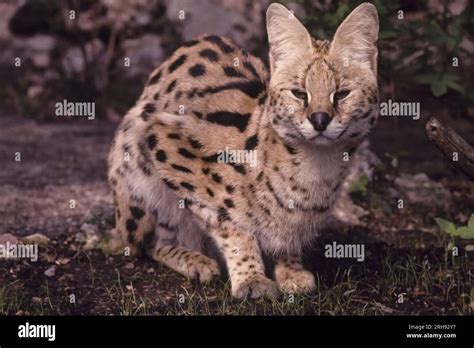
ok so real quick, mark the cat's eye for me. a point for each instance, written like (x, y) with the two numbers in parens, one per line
(339, 95)
(300, 94)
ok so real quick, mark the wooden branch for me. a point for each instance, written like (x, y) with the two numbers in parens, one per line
(452, 145)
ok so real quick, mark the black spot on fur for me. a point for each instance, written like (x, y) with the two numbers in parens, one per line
(177, 63)
(187, 185)
(181, 168)
(146, 171)
(171, 86)
(229, 188)
(277, 198)
(290, 149)
(223, 214)
(211, 158)
(198, 114)
(127, 126)
(167, 226)
(210, 192)
(216, 177)
(205, 170)
(209, 54)
(147, 241)
(137, 213)
(174, 136)
(191, 43)
(260, 176)
(229, 203)
(131, 225)
(239, 168)
(373, 99)
(251, 88)
(252, 69)
(265, 210)
(251, 142)
(224, 47)
(156, 96)
(149, 108)
(170, 184)
(197, 70)
(195, 144)
(229, 119)
(152, 141)
(185, 153)
(230, 71)
(155, 78)
(144, 116)
(192, 93)
(161, 156)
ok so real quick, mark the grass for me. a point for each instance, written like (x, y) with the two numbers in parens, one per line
(428, 283)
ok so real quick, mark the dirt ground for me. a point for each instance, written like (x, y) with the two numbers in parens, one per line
(60, 162)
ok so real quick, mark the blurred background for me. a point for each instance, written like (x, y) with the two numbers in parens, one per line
(83, 58)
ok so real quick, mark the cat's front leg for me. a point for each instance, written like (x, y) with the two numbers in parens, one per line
(291, 277)
(244, 263)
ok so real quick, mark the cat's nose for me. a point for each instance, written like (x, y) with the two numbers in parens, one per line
(320, 120)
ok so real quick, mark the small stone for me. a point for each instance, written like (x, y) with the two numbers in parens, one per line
(50, 272)
(34, 91)
(36, 238)
(129, 265)
(63, 260)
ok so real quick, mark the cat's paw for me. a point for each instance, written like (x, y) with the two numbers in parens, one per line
(295, 281)
(255, 286)
(203, 268)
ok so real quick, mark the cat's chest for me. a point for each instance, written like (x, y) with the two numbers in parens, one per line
(291, 194)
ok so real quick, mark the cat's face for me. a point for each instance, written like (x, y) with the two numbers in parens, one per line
(320, 92)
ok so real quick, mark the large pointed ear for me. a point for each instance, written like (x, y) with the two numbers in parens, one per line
(356, 38)
(287, 37)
